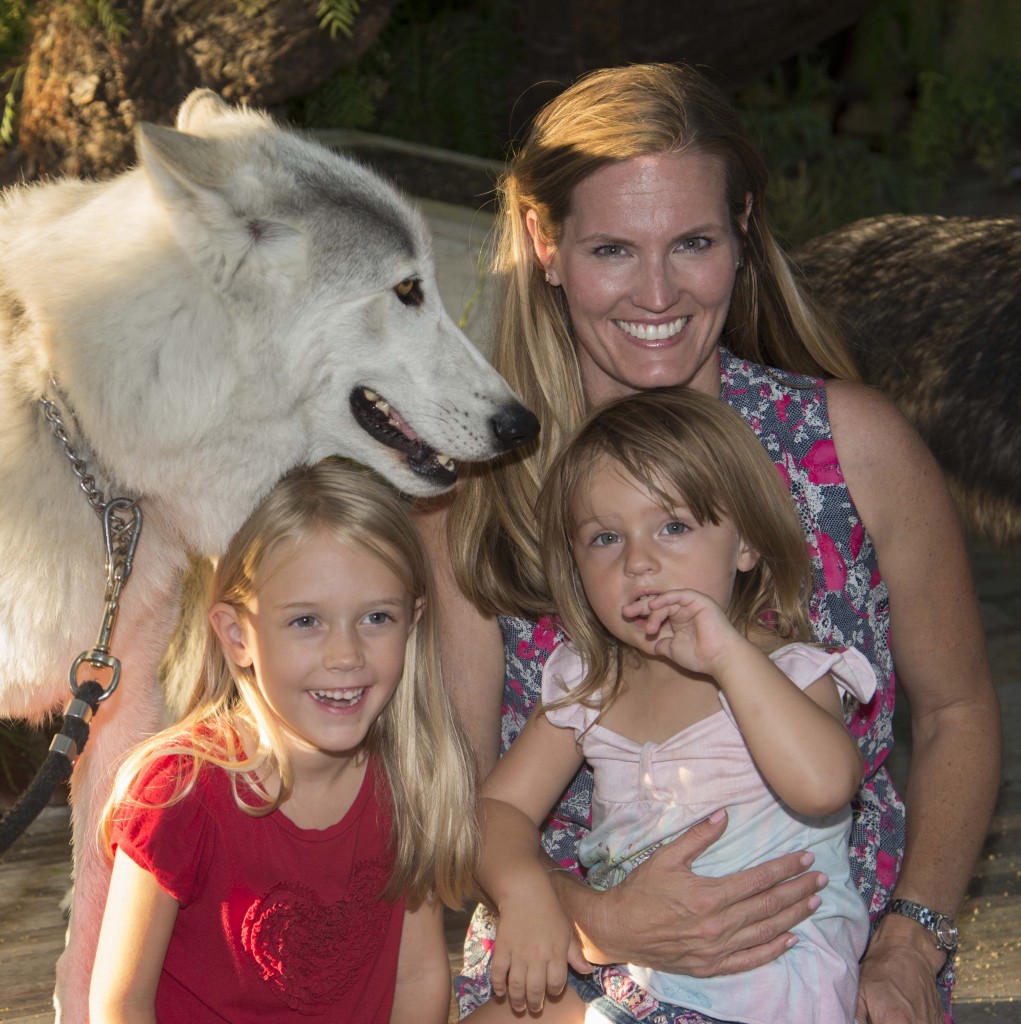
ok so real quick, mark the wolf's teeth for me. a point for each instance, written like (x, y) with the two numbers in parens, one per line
(383, 406)
(371, 395)
(445, 461)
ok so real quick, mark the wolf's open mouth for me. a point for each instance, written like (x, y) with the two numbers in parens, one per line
(378, 418)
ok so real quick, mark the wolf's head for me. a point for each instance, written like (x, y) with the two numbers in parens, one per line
(278, 303)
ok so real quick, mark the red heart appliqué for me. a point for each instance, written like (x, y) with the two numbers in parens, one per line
(310, 953)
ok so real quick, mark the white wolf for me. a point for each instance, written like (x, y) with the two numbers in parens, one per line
(242, 301)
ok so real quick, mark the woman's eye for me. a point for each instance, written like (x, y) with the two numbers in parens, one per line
(695, 244)
(610, 249)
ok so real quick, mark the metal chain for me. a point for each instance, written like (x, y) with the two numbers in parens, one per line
(122, 523)
(86, 482)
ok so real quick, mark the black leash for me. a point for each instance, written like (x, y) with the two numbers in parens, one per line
(56, 769)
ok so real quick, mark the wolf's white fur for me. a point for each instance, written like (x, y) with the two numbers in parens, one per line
(207, 316)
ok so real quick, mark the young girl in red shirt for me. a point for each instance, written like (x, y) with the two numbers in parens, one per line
(283, 853)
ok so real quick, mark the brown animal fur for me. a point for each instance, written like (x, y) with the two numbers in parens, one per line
(932, 309)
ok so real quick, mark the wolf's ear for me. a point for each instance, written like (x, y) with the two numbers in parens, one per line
(179, 163)
(201, 106)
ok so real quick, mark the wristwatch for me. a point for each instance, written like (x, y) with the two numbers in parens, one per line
(943, 929)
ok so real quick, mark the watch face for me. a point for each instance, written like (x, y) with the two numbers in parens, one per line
(946, 932)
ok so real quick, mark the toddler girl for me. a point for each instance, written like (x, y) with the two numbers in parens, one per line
(676, 560)
(282, 853)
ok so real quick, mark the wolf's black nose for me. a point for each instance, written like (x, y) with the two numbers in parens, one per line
(514, 425)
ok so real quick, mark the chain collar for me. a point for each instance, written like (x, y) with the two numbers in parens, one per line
(122, 523)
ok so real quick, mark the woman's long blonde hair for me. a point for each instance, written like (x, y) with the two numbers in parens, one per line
(607, 117)
(426, 759)
(682, 446)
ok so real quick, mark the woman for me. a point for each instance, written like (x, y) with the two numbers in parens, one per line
(633, 253)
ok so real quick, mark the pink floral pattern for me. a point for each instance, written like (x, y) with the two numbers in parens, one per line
(850, 607)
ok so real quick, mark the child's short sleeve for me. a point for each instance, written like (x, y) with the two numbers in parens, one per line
(173, 843)
(850, 669)
(562, 673)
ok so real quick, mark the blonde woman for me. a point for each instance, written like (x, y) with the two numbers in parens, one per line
(635, 252)
(283, 852)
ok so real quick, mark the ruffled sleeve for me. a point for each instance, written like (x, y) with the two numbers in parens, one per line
(173, 843)
(562, 674)
(850, 669)
(805, 664)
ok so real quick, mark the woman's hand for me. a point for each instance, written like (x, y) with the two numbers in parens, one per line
(666, 917)
(898, 977)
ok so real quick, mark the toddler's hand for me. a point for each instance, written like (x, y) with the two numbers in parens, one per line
(534, 944)
(690, 628)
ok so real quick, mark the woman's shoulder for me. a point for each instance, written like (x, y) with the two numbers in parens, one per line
(885, 462)
(863, 410)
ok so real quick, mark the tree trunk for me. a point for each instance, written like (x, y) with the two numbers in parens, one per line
(85, 89)
(733, 40)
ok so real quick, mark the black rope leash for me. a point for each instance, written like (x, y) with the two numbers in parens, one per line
(56, 769)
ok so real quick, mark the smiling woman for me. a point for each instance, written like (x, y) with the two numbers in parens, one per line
(635, 251)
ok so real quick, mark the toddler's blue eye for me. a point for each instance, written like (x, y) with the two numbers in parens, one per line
(675, 528)
(305, 621)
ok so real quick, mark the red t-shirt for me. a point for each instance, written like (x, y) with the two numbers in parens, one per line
(276, 922)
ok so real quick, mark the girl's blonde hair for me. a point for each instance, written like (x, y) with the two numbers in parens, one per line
(682, 446)
(607, 117)
(426, 759)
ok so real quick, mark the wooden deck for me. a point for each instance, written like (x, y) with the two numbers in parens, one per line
(34, 874)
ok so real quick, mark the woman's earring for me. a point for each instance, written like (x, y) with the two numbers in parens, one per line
(547, 277)
(740, 263)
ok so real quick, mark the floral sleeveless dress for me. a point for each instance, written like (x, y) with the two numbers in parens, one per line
(850, 607)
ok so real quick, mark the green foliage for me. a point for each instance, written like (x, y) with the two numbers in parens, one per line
(337, 16)
(12, 78)
(436, 75)
(115, 23)
(890, 114)
(14, 29)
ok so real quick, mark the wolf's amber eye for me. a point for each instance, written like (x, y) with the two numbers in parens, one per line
(409, 291)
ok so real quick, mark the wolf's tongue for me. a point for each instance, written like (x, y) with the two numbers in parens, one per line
(403, 424)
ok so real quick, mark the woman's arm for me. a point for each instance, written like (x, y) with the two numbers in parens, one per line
(133, 941)
(796, 737)
(939, 653)
(666, 917)
(470, 644)
(423, 988)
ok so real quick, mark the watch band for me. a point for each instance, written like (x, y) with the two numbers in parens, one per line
(941, 927)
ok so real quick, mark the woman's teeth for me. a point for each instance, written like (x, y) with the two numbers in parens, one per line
(652, 332)
(339, 698)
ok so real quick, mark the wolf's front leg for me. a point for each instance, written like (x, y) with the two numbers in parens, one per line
(131, 714)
